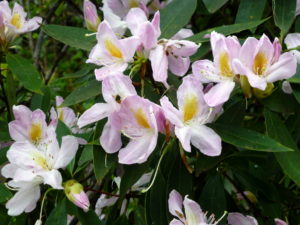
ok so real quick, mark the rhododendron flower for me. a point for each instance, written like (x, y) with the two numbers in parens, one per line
(262, 62)
(116, 23)
(147, 31)
(15, 21)
(293, 41)
(220, 71)
(110, 52)
(114, 90)
(239, 219)
(91, 17)
(75, 193)
(122, 7)
(297, 11)
(191, 118)
(28, 125)
(192, 214)
(136, 120)
(25, 199)
(29, 161)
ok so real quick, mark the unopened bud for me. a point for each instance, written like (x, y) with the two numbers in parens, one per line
(75, 193)
(91, 17)
(263, 94)
(246, 88)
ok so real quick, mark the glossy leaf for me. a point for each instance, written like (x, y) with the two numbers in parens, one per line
(5, 194)
(248, 139)
(25, 72)
(175, 16)
(289, 161)
(284, 14)
(88, 218)
(213, 5)
(58, 215)
(72, 36)
(226, 30)
(89, 90)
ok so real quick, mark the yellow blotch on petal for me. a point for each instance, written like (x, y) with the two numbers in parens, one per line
(40, 160)
(16, 20)
(225, 68)
(113, 49)
(35, 132)
(260, 63)
(61, 115)
(141, 118)
(190, 107)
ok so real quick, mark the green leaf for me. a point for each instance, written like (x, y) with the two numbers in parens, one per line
(3, 157)
(289, 161)
(226, 30)
(5, 194)
(175, 16)
(91, 89)
(250, 10)
(131, 174)
(62, 130)
(88, 218)
(213, 5)
(58, 215)
(284, 14)
(234, 114)
(25, 71)
(213, 196)
(41, 101)
(248, 139)
(72, 36)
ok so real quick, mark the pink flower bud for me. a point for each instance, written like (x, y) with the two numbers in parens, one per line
(74, 192)
(90, 15)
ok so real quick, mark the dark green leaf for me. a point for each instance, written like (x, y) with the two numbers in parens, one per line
(175, 16)
(41, 101)
(88, 218)
(213, 196)
(248, 139)
(284, 14)
(58, 215)
(226, 30)
(3, 157)
(250, 10)
(25, 72)
(5, 194)
(213, 5)
(62, 130)
(289, 161)
(73, 36)
(234, 115)
(91, 89)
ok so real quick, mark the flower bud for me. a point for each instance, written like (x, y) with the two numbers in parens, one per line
(246, 88)
(90, 16)
(74, 192)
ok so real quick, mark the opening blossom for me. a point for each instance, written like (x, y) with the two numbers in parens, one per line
(240, 219)
(112, 53)
(192, 214)
(13, 22)
(190, 119)
(220, 71)
(292, 40)
(262, 62)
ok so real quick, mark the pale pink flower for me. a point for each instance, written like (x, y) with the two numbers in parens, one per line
(28, 125)
(190, 119)
(240, 219)
(286, 87)
(261, 61)
(297, 11)
(112, 53)
(280, 222)
(91, 17)
(15, 21)
(192, 213)
(292, 40)
(136, 119)
(220, 71)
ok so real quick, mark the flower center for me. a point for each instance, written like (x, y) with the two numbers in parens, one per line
(190, 107)
(133, 4)
(61, 115)
(16, 20)
(225, 68)
(35, 132)
(41, 161)
(113, 49)
(141, 118)
(260, 63)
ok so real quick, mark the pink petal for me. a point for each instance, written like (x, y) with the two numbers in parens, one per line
(110, 139)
